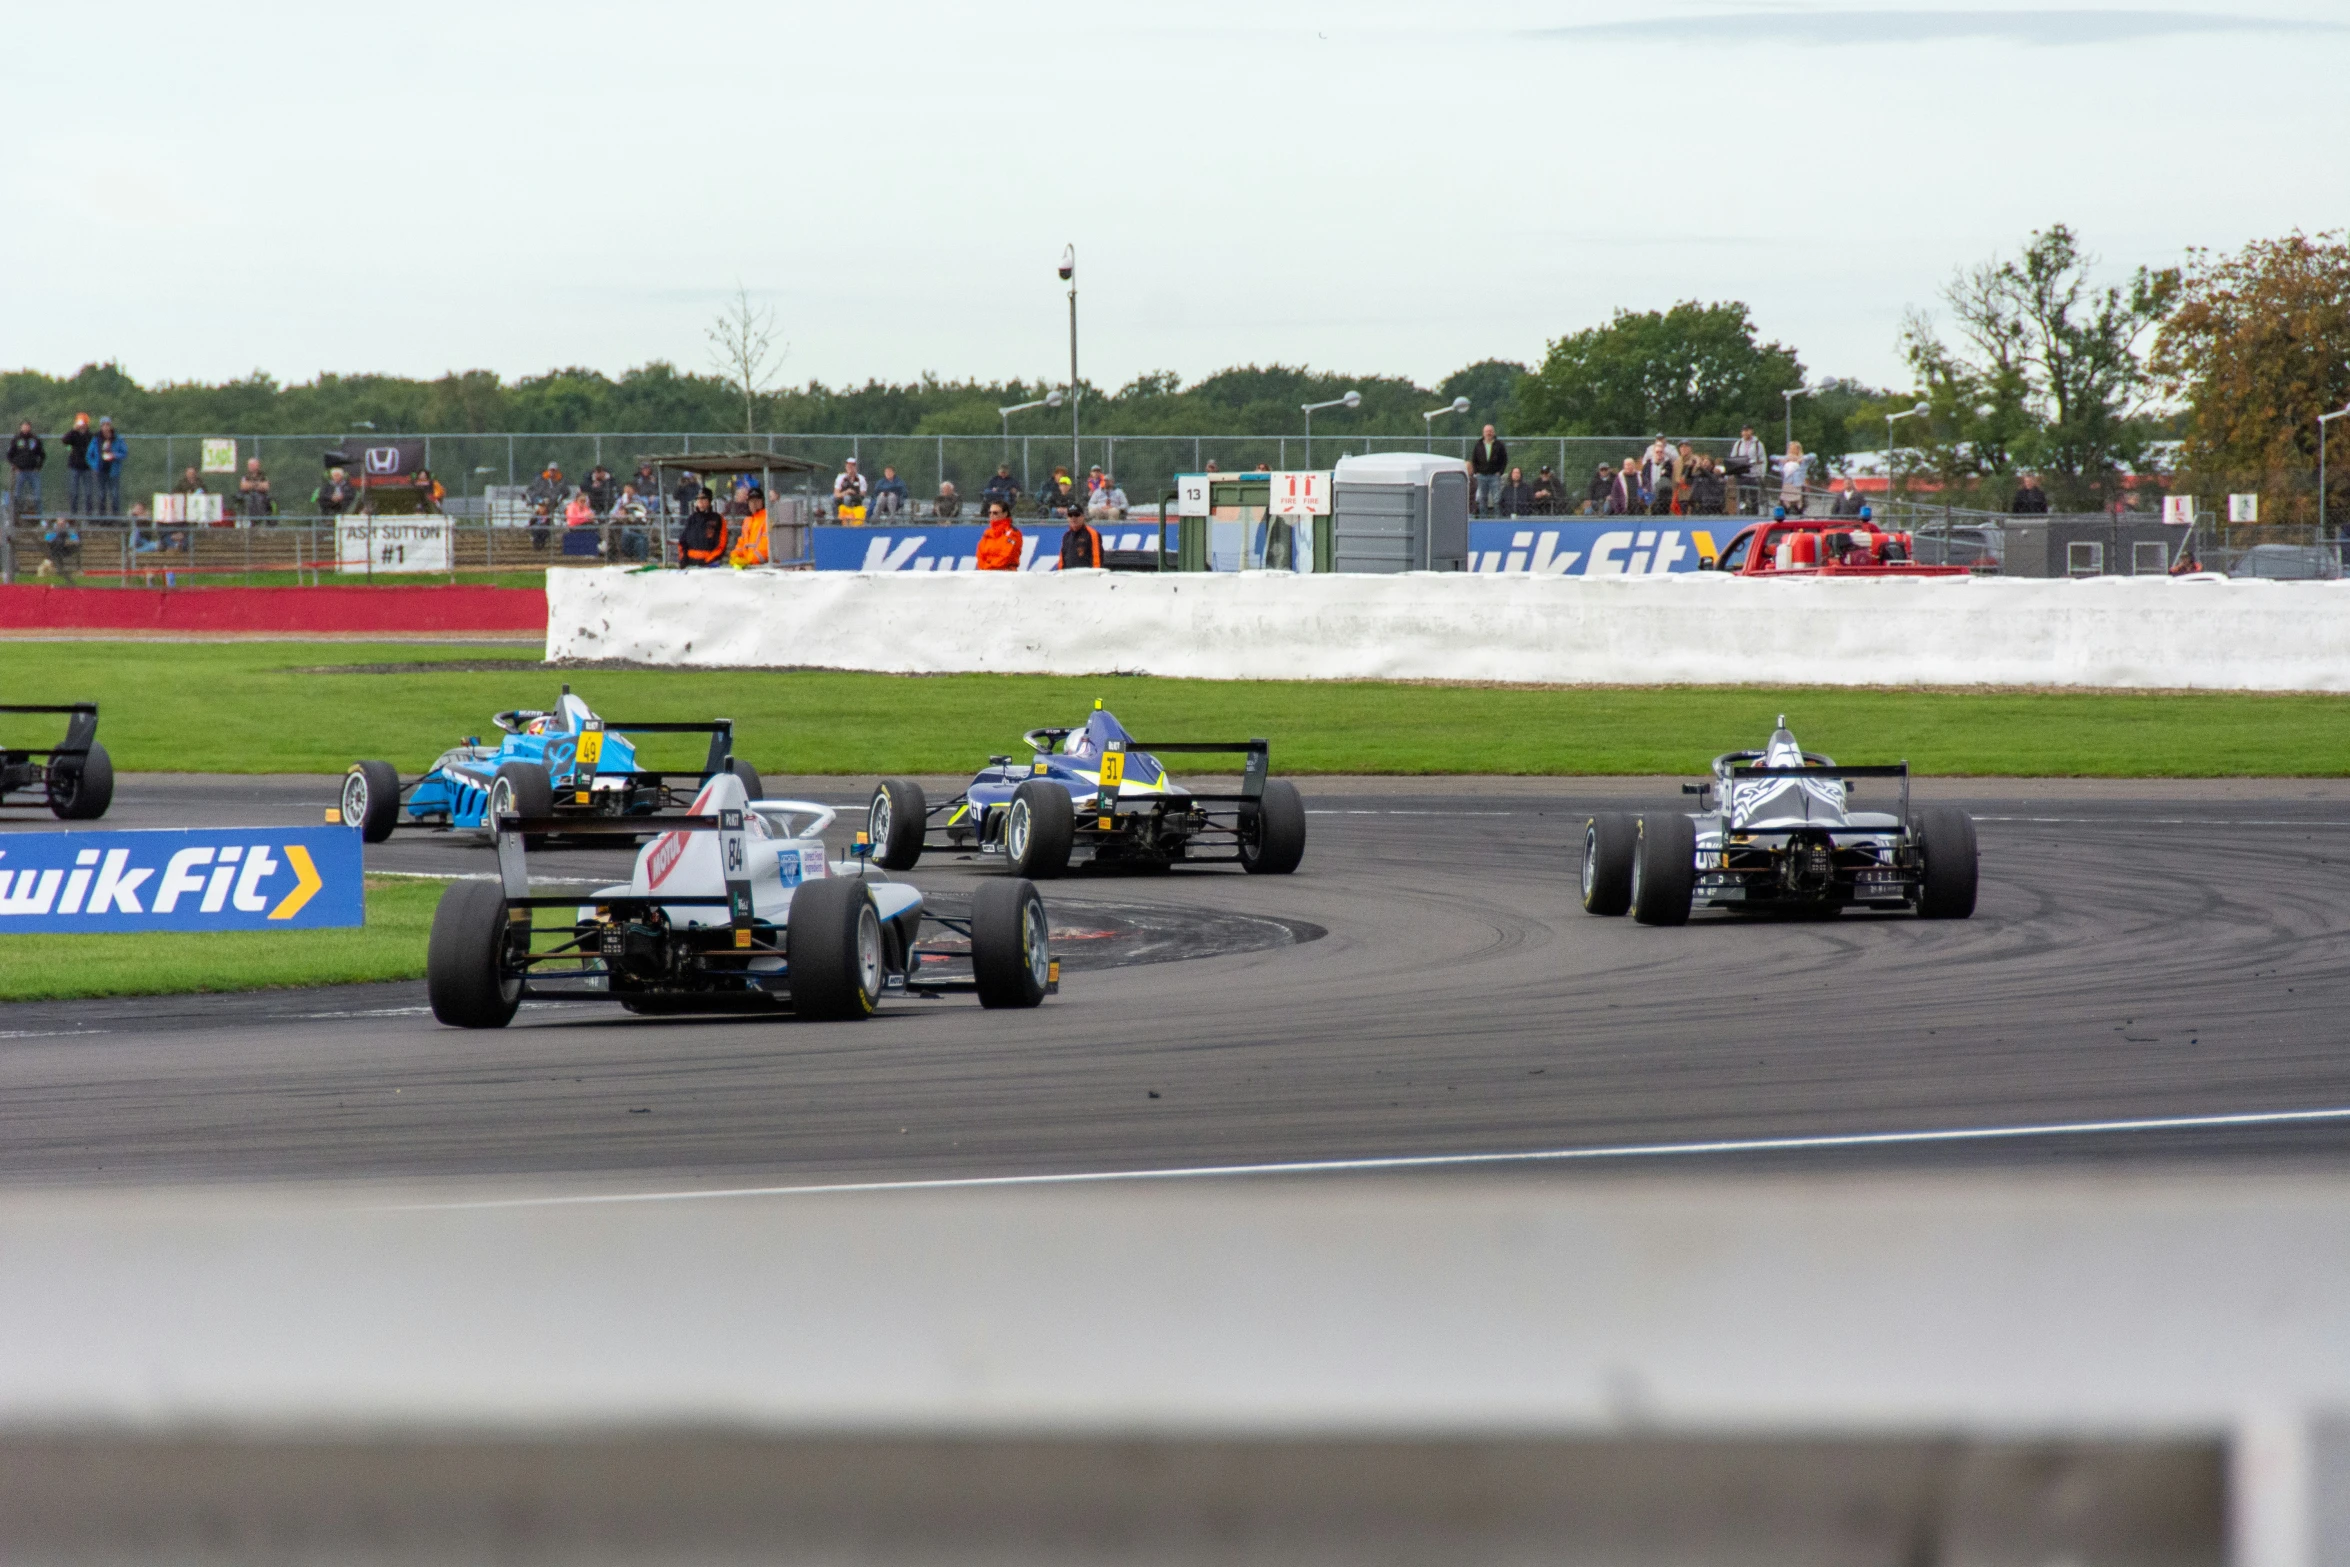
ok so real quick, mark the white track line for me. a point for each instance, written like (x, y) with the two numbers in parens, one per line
(1737, 1145)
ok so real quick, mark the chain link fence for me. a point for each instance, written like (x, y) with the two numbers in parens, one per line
(470, 467)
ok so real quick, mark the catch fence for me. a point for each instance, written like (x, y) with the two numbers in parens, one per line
(471, 466)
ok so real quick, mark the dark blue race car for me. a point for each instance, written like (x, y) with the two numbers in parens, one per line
(567, 762)
(1095, 795)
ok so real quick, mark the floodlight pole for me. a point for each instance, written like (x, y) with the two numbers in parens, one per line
(1787, 404)
(1076, 445)
(1459, 405)
(1906, 413)
(2322, 421)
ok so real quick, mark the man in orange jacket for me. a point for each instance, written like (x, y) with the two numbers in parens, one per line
(999, 546)
(750, 549)
(1081, 545)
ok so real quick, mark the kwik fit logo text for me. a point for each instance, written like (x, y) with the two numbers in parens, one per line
(283, 878)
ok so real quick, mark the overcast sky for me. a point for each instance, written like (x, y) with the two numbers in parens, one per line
(202, 191)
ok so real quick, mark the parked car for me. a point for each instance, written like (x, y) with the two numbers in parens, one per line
(2289, 563)
(1976, 548)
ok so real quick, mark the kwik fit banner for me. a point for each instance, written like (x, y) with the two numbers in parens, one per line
(1529, 546)
(245, 878)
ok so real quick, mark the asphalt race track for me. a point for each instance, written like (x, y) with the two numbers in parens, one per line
(1425, 985)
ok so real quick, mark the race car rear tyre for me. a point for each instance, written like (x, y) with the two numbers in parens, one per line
(1273, 833)
(1011, 944)
(81, 787)
(522, 789)
(753, 787)
(1610, 839)
(1946, 883)
(466, 975)
(371, 800)
(833, 944)
(895, 822)
(1039, 827)
(1664, 870)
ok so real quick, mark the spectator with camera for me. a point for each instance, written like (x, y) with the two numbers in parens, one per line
(1747, 464)
(108, 457)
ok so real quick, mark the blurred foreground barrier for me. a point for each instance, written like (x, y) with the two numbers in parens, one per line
(1695, 628)
(1955, 1368)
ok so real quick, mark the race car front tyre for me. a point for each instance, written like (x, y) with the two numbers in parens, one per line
(833, 945)
(1946, 883)
(1011, 944)
(1273, 832)
(81, 787)
(466, 975)
(753, 787)
(371, 800)
(1039, 827)
(1664, 870)
(895, 822)
(522, 789)
(1610, 839)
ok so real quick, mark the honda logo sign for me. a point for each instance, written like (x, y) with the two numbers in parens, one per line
(383, 459)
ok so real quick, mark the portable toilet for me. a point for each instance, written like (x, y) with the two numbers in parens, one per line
(1400, 511)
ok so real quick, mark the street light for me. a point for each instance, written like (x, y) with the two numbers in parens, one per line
(363, 424)
(1787, 405)
(1350, 400)
(1068, 271)
(2322, 421)
(1459, 405)
(1048, 400)
(1907, 413)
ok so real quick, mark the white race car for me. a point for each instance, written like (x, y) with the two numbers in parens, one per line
(734, 907)
(1778, 834)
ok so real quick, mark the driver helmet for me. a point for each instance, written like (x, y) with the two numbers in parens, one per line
(1782, 751)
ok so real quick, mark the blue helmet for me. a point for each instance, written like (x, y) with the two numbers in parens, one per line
(1866, 514)
(1778, 514)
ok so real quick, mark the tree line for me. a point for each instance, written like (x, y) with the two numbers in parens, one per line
(2216, 368)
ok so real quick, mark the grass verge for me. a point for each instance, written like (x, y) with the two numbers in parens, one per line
(258, 707)
(391, 945)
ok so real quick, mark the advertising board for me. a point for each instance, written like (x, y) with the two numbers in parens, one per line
(1530, 546)
(244, 878)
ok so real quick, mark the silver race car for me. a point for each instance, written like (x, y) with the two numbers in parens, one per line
(734, 907)
(1776, 833)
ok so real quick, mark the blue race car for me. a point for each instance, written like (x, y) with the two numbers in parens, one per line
(1096, 795)
(563, 763)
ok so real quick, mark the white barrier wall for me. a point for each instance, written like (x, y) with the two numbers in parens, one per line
(1699, 628)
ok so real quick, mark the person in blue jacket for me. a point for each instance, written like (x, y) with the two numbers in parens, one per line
(108, 456)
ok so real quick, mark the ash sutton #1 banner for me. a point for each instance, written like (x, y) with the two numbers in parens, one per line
(244, 878)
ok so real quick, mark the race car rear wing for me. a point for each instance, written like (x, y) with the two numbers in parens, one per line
(80, 730)
(1898, 770)
(514, 866)
(720, 731)
(1252, 776)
